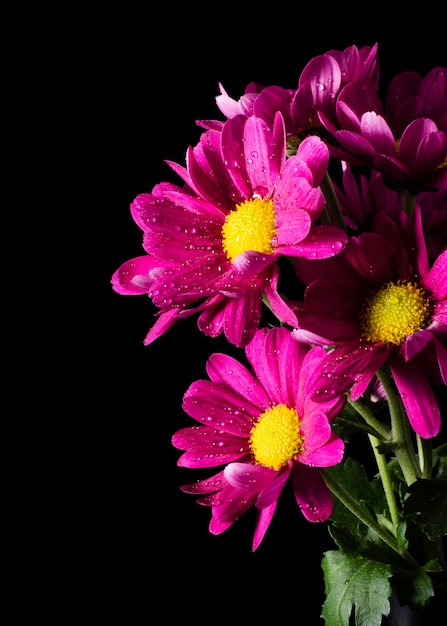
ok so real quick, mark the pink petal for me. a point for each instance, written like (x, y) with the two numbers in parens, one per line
(279, 307)
(316, 431)
(132, 278)
(417, 396)
(292, 226)
(436, 280)
(242, 318)
(311, 493)
(329, 454)
(226, 370)
(248, 478)
(270, 494)
(163, 323)
(263, 518)
(276, 360)
(322, 242)
(219, 407)
(263, 156)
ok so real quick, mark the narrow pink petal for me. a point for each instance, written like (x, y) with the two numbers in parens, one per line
(311, 493)
(345, 366)
(247, 477)
(276, 360)
(132, 277)
(415, 343)
(329, 454)
(212, 183)
(263, 518)
(272, 490)
(316, 430)
(330, 301)
(198, 457)
(278, 306)
(305, 336)
(322, 242)
(223, 369)
(166, 320)
(369, 255)
(436, 280)
(292, 226)
(375, 129)
(263, 157)
(231, 143)
(441, 350)
(417, 396)
(242, 318)
(219, 407)
(229, 506)
(208, 485)
(295, 192)
(305, 405)
(315, 152)
(252, 263)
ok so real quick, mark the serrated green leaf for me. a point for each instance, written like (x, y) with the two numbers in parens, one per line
(440, 461)
(355, 584)
(427, 506)
(367, 545)
(401, 535)
(348, 423)
(415, 587)
(352, 475)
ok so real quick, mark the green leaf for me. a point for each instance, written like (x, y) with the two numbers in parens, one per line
(370, 496)
(440, 461)
(427, 506)
(355, 583)
(415, 587)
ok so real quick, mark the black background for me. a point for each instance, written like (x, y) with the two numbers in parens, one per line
(136, 81)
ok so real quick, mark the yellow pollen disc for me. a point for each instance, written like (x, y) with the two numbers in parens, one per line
(443, 164)
(251, 226)
(394, 312)
(276, 439)
(292, 144)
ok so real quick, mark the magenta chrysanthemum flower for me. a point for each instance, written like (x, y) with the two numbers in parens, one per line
(361, 197)
(319, 84)
(408, 143)
(215, 243)
(323, 79)
(265, 429)
(379, 302)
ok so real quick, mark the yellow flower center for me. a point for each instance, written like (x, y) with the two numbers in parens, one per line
(395, 311)
(276, 439)
(292, 144)
(251, 226)
(443, 164)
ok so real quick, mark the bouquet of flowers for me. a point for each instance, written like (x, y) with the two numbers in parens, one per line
(309, 228)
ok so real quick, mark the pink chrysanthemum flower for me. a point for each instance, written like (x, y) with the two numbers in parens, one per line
(408, 143)
(322, 80)
(319, 84)
(265, 429)
(215, 243)
(361, 197)
(379, 302)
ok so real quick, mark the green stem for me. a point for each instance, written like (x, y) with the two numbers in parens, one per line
(386, 480)
(408, 202)
(377, 426)
(404, 452)
(425, 456)
(333, 211)
(353, 506)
